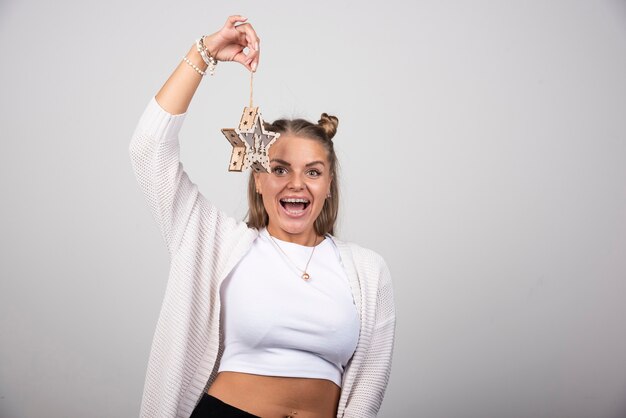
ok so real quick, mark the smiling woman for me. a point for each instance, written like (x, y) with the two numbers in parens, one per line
(299, 200)
(275, 317)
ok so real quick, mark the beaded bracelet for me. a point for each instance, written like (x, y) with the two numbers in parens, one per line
(208, 59)
(194, 66)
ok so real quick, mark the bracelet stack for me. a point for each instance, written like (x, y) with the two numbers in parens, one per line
(209, 60)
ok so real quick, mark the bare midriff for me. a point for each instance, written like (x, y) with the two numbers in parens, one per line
(277, 397)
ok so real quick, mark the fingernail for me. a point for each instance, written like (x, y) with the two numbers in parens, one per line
(254, 66)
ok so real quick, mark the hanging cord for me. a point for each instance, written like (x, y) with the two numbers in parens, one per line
(251, 87)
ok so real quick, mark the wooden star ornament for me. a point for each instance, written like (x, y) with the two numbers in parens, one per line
(251, 142)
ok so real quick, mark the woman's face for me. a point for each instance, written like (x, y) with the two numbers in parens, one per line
(295, 189)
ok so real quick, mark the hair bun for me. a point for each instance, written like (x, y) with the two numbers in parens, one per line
(329, 124)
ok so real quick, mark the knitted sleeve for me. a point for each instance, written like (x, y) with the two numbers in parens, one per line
(154, 152)
(370, 384)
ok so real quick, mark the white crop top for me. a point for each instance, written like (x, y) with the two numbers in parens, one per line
(277, 324)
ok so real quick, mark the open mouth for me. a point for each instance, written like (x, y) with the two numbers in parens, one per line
(294, 205)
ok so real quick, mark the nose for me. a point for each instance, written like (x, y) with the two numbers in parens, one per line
(295, 183)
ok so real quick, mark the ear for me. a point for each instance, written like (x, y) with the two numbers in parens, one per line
(257, 182)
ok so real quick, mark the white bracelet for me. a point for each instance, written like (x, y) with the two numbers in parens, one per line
(208, 59)
(198, 70)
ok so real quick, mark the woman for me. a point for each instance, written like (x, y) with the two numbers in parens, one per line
(273, 318)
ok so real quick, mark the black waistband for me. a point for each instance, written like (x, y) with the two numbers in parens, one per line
(209, 407)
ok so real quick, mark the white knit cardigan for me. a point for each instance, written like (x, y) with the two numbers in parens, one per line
(204, 245)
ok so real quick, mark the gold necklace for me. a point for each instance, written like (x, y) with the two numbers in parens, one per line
(305, 276)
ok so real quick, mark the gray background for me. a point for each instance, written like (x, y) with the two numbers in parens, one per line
(483, 155)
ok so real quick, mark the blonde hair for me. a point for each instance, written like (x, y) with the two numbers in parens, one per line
(323, 132)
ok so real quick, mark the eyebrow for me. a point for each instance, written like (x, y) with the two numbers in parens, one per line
(283, 162)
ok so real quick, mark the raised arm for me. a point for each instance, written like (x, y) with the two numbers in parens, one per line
(154, 148)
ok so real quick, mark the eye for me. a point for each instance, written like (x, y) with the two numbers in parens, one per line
(279, 170)
(314, 173)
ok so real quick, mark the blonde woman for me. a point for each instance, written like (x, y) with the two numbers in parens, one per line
(273, 317)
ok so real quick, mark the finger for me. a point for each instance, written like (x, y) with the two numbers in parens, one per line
(244, 35)
(249, 60)
(255, 62)
(230, 22)
(252, 57)
(251, 36)
(243, 60)
(242, 38)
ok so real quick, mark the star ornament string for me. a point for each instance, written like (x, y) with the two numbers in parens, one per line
(251, 141)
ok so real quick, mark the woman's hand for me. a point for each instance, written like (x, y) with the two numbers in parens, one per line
(228, 43)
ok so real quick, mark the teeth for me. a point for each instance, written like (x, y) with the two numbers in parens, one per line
(295, 200)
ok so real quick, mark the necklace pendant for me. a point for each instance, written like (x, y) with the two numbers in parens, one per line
(305, 276)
